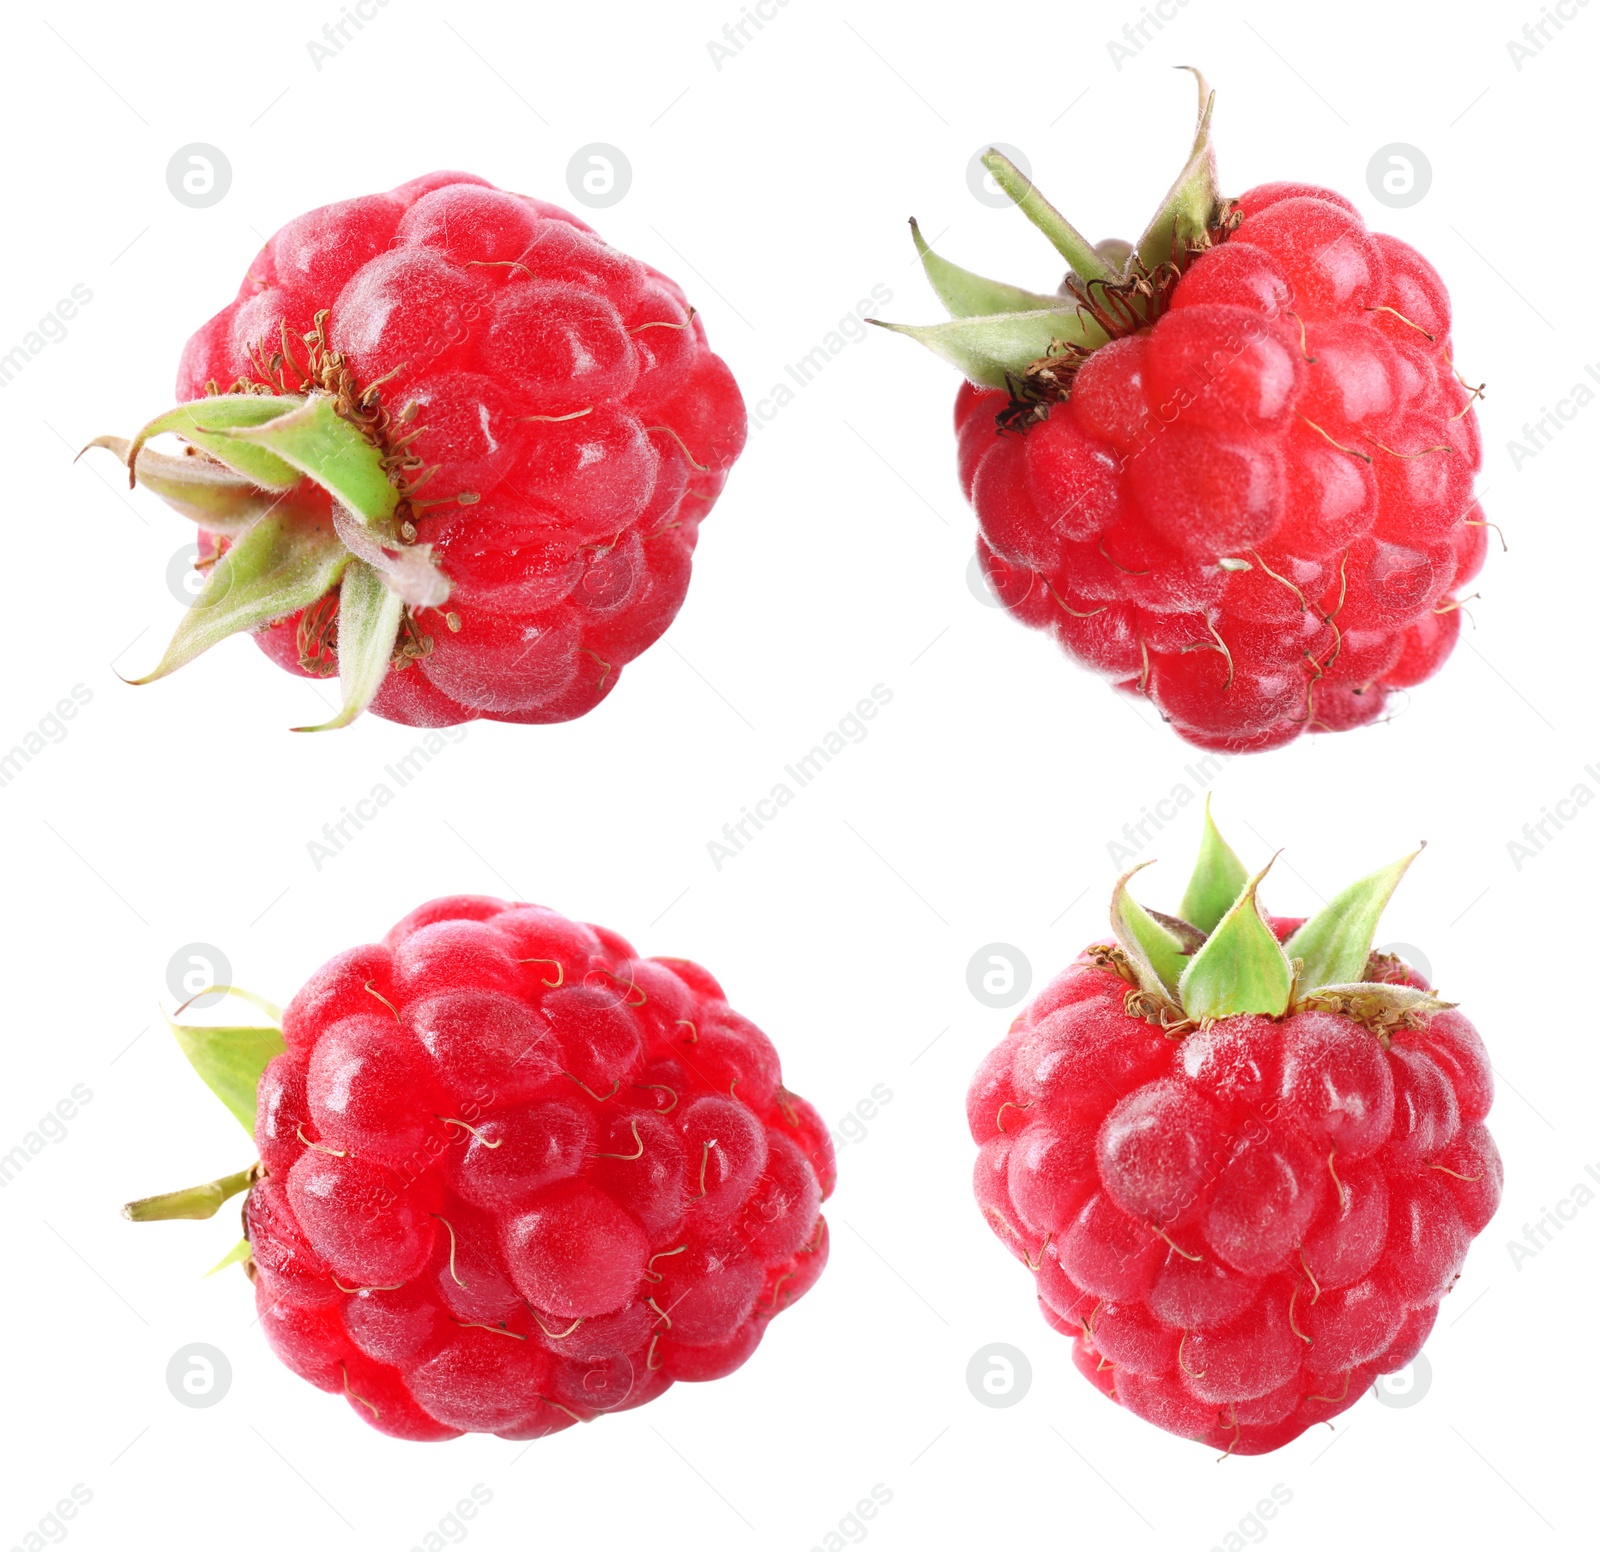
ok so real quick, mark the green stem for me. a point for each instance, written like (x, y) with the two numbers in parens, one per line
(193, 1202)
(1068, 241)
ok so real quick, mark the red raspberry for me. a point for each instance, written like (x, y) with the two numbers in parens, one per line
(1234, 474)
(1242, 1196)
(513, 1176)
(542, 427)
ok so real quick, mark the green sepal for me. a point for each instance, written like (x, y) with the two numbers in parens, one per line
(318, 441)
(1193, 203)
(287, 560)
(966, 295)
(214, 424)
(1333, 946)
(1156, 955)
(1217, 880)
(369, 620)
(197, 487)
(314, 439)
(407, 569)
(230, 1061)
(240, 1252)
(995, 350)
(1065, 238)
(1242, 968)
(1381, 1003)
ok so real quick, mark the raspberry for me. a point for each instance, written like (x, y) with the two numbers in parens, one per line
(513, 1176)
(1242, 1190)
(1232, 472)
(508, 435)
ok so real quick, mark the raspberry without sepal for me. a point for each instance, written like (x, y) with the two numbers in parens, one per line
(512, 1175)
(1243, 1156)
(449, 445)
(1229, 468)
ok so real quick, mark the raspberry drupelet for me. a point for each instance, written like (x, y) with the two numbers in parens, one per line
(1241, 1208)
(513, 1176)
(523, 428)
(1229, 469)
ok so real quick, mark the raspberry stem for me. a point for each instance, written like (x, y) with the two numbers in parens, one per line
(193, 1201)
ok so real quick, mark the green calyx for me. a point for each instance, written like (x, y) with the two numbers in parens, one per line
(312, 494)
(230, 1060)
(1221, 957)
(1029, 343)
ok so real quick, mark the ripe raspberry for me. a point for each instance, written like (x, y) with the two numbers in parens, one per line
(513, 1176)
(1228, 468)
(449, 445)
(1243, 1190)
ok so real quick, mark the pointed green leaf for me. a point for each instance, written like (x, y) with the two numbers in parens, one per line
(192, 1201)
(231, 1061)
(994, 350)
(1193, 202)
(1242, 968)
(289, 559)
(197, 487)
(212, 424)
(1333, 945)
(1154, 952)
(369, 620)
(966, 295)
(1216, 881)
(1068, 241)
(240, 1252)
(317, 440)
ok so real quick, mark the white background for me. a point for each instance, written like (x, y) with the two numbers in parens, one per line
(978, 810)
